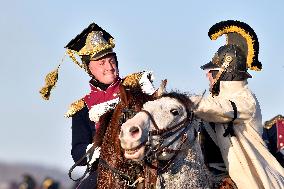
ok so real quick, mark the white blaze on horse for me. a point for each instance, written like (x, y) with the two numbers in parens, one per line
(164, 132)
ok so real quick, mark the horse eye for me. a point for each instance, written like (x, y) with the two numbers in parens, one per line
(174, 112)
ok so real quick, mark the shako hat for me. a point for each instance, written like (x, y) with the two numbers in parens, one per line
(92, 43)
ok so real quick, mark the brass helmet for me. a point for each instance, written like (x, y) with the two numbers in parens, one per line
(238, 55)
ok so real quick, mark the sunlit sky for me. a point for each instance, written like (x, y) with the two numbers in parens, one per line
(168, 37)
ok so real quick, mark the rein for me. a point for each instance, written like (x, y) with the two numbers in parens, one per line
(127, 113)
(89, 153)
(130, 181)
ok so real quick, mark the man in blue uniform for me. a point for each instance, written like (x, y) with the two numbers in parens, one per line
(94, 46)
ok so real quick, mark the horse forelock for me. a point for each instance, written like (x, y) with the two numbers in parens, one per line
(182, 98)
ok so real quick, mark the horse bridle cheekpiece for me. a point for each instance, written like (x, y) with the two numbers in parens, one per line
(153, 152)
(127, 113)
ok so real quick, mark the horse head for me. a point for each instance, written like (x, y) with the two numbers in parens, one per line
(159, 130)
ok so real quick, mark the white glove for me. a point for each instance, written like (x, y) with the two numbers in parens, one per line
(100, 109)
(96, 154)
(146, 82)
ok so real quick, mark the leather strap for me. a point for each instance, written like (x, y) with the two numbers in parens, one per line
(88, 153)
(230, 130)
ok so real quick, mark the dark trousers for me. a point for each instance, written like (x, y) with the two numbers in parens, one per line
(90, 182)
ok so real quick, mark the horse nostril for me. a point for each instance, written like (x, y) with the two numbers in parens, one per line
(134, 131)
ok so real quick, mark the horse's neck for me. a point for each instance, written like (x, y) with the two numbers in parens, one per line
(188, 163)
(191, 153)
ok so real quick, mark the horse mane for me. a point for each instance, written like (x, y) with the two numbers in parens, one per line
(111, 151)
(100, 132)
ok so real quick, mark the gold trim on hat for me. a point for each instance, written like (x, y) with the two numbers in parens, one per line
(95, 43)
(71, 54)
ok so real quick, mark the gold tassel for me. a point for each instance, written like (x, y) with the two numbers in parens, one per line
(50, 81)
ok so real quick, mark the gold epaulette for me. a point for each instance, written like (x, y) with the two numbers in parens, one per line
(132, 80)
(270, 123)
(75, 107)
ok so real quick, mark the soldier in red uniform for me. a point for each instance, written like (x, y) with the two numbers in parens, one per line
(273, 135)
(94, 46)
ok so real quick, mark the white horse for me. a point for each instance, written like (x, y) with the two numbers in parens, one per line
(164, 131)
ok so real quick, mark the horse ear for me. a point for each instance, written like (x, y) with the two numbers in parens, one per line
(198, 100)
(123, 95)
(162, 89)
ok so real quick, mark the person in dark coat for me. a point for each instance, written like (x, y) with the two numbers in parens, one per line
(94, 46)
(273, 135)
(28, 182)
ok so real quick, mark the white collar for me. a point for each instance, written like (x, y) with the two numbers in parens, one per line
(229, 86)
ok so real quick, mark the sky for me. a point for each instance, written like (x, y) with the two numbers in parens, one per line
(168, 37)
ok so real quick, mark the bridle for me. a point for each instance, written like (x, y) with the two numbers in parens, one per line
(153, 152)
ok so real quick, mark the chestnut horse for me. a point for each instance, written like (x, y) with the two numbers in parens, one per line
(115, 171)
